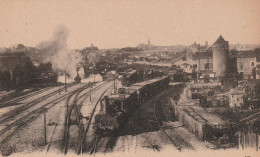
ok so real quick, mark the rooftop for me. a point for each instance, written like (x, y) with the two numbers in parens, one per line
(201, 115)
(235, 92)
(245, 54)
(203, 54)
(118, 96)
(220, 40)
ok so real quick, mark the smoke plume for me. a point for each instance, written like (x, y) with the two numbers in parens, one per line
(56, 52)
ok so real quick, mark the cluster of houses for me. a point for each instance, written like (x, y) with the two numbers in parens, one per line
(203, 59)
(245, 63)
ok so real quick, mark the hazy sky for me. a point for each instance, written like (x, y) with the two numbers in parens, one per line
(111, 24)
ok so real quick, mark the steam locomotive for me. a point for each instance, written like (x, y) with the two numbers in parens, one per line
(116, 108)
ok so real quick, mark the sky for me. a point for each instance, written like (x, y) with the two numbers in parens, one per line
(121, 23)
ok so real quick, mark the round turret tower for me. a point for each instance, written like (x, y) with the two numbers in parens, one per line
(220, 57)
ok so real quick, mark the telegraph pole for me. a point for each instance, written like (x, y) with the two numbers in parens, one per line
(90, 92)
(65, 81)
(45, 130)
(114, 85)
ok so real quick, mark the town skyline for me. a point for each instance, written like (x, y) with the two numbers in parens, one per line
(121, 24)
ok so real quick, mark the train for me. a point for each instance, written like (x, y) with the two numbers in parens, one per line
(117, 107)
(129, 78)
(135, 76)
(49, 77)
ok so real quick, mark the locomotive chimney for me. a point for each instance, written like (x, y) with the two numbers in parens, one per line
(77, 78)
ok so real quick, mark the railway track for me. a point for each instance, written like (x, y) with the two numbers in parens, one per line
(74, 97)
(18, 99)
(19, 123)
(171, 134)
(107, 143)
(12, 114)
(74, 117)
(94, 147)
(69, 121)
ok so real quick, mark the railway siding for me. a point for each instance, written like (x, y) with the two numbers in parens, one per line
(11, 133)
(71, 132)
(154, 131)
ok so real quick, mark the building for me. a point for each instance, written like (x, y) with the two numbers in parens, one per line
(217, 61)
(197, 47)
(249, 132)
(236, 99)
(204, 125)
(204, 60)
(220, 57)
(257, 67)
(205, 64)
(186, 63)
(246, 62)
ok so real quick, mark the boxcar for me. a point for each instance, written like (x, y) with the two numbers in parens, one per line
(118, 107)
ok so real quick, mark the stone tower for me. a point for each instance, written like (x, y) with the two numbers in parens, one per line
(220, 57)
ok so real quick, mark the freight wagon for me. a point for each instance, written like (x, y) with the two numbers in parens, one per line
(118, 107)
(129, 78)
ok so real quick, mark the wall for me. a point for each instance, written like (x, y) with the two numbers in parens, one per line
(188, 60)
(248, 140)
(193, 125)
(245, 65)
(220, 56)
(236, 100)
(258, 67)
(202, 61)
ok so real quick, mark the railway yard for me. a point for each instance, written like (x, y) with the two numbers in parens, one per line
(44, 120)
(94, 78)
(112, 116)
(51, 120)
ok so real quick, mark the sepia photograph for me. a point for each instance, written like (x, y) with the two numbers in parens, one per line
(173, 78)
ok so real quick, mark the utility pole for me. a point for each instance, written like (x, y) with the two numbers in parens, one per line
(90, 92)
(65, 81)
(114, 85)
(197, 75)
(45, 130)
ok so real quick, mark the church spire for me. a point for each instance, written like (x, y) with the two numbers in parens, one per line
(149, 42)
